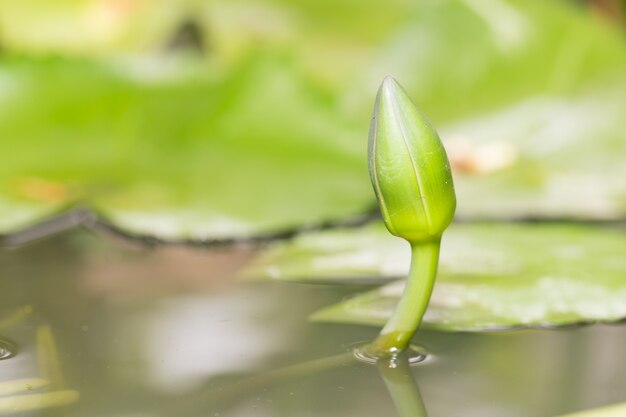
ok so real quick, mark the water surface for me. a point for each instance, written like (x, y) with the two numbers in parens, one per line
(163, 332)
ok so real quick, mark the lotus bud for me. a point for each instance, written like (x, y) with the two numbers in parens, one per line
(413, 183)
(409, 168)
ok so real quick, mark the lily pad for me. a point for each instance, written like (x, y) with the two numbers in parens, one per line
(531, 117)
(528, 99)
(615, 410)
(178, 157)
(491, 276)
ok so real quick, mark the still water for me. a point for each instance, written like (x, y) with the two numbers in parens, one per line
(94, 327)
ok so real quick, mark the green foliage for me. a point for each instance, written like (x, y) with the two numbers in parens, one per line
(531, 114)
(615, 410)
(192, 157)
(491, 276)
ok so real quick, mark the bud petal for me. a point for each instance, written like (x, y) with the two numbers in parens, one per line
(409, 168)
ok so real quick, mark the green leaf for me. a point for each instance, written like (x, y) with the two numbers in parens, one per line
(527, 97)
(191, 157)
(616, 410)
(531, 114)
(491, 276)
(559, 159)
(497, 55)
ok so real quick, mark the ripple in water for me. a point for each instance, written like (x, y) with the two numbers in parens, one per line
(413, 355)
(7, 349)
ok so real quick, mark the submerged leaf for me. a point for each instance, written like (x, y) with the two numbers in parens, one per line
(48, 360)
(16, 386)
(490, 276)
(31, 402)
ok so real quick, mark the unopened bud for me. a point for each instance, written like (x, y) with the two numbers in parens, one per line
(409, 168)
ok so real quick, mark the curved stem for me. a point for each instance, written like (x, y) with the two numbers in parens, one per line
(397, 333)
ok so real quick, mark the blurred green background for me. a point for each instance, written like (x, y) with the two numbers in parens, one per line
(213, 120)
(216, 121)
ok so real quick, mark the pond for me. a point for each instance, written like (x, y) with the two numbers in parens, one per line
(100, 327)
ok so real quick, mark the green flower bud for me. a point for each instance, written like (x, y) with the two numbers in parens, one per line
(409, 168)
(411, 176)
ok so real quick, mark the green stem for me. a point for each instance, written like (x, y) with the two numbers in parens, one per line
(397, 333)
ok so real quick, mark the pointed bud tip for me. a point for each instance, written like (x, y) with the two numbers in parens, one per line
(389, 79)
(391, 91)
(390, 85)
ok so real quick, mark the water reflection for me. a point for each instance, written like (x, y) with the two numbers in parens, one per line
(227, 395)
(169, 343)
(191, 338)
(7, 349)
(402, 386)
(15, 317)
